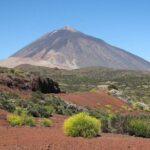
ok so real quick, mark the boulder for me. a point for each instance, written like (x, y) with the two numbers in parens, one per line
(45, 85)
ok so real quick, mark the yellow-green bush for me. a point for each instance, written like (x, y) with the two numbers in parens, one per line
(45, 122)
(15, 120)
(93, 90)
(82, 125)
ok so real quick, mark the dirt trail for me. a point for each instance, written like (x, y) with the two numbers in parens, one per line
(42, 138)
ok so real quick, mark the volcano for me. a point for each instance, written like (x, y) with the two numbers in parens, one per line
(68, 48)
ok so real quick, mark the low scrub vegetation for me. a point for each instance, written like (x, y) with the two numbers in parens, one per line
(44, 106)
(139, 127)
(28, 120)
(38, 105)
(37, 110)
(135, 84)
(45, 122)
(16, 120)
(82, 125)
(16, 72)
(128, 124)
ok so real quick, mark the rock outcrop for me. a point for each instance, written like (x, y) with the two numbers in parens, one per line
(29, 83)
(45, 85)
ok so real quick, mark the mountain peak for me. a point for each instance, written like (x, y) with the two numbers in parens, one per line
(65, 48)
(69, 28)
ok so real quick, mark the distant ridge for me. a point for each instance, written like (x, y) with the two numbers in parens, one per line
(68, 48)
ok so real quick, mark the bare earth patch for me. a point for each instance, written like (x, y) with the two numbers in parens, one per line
(93, 99)
(53, 138)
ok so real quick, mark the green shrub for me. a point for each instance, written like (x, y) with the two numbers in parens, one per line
(15, 120)
(119, 122)
(37, 110)
(7, 101)
(45, 122)
(9, 95)
(58, 105)
(44, 111)
(7, 105)
(82, 125)
(62, 107)
(139, 127)
(22, 103)
(33, 109)
(19, 72)
(110, 87)
(37, 96)
(20, 111)
(105, 117)
(28, 120)
(47, 111)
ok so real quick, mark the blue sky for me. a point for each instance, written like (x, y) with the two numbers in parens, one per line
(123, 23)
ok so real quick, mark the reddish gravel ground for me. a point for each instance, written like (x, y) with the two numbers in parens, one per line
(42, 138)
(93, 99)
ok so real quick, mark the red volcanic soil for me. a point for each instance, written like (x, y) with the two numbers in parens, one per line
(53, 138)
(93, 99)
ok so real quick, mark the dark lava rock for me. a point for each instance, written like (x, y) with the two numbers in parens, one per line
(45, 85)
(31, 83)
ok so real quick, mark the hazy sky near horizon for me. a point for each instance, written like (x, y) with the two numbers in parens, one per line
(123, 23)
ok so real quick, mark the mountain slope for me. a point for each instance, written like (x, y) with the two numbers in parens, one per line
(68, 48)
(135, 84)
